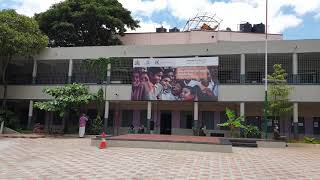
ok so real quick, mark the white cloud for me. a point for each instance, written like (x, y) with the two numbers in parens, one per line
(30, 7)
(233, 12)
(145, 8)
(149, 26)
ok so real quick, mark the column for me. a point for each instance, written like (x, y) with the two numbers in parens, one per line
(109, 73)
(106, 116)
(195, 115)
(242, 109)
(34, 71)
(150, 121)
(30, 114)
(295, 120)
(70, 71)
(243, 69)
(295, 68)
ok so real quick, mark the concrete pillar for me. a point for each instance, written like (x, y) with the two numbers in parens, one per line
(109, 73)
(195, 114)
(243, 68)
(70, 71)
(295, 119)
(295, 68)
(34, 71)
(150, 121)
(242, 109)
(106, 116)
(30, 114)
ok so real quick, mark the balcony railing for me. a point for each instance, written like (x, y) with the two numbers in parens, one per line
(52, 79)
(248, 79)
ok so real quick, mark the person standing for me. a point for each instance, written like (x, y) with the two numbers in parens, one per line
(82, 125)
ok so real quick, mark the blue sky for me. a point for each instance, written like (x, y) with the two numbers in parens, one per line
(295, 19)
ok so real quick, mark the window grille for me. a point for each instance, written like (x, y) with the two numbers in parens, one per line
(20, 72)
(121, 71)
(127, 118)
(255, 66)
(83, 74)
(143, 118)
(52, 71)
(229, 69)
(208, 119)
(309, 68)
(186, 118)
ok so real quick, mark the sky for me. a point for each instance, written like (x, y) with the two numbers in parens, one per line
(295, 19)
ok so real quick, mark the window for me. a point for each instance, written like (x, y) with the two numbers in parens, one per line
(143, 118)
(126, 118)
(186, 118)
(208, 119)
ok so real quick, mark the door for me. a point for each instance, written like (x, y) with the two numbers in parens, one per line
(316, 125)
(165, 124)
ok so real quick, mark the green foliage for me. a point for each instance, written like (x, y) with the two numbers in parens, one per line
(311, 140)
(251, 131)
(278, 93)
(85, 22)
(19, 35)
(96, 126)
(233, 122)
(72, 95)
(98, 98)
(98, 66)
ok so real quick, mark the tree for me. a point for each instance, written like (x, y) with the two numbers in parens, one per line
(85, 23)
(96, 127)
(19, 36)
(233, 122)
(64, 98)
(278, 93)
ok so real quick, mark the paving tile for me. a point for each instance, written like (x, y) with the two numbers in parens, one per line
(74, 158)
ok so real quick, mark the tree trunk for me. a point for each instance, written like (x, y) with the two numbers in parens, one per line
(4, 82)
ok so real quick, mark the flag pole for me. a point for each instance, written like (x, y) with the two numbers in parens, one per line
(266, 76)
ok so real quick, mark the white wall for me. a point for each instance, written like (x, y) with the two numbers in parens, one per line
(204, 49)
(192, 37)
(227, 93)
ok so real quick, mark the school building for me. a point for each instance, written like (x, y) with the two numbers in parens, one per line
(240, 74)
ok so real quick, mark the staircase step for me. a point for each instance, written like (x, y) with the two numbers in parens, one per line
(244, 144)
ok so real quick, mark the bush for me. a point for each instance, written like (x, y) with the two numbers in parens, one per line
(96, 126)
(11, 120)
(311, 140)
(251, 132)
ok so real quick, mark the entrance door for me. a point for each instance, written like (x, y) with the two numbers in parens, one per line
(165, 124)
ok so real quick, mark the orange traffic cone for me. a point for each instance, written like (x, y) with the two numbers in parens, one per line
(103, 143)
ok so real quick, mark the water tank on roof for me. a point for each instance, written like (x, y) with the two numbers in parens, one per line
(258, 28)
(245, 27)
(161, 30)
(175, 29)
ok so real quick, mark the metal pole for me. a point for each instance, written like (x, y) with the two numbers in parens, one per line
(266, 76)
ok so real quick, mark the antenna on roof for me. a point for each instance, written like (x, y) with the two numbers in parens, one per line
(203, 21)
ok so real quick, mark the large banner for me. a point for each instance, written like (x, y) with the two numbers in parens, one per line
(175, 79)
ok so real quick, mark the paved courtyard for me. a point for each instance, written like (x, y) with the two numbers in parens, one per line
(74, 158)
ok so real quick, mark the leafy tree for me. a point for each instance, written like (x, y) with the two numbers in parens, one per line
(278, 92)
(64, 98)
(19, 36)
(96, 126)
(233, 122)
(85, 22)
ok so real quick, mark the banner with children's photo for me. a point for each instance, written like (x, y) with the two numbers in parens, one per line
(175, 79)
